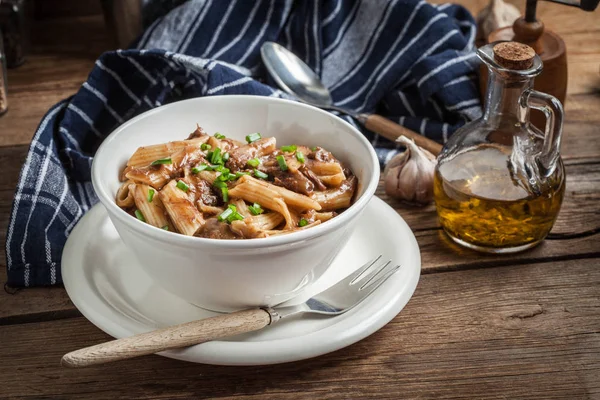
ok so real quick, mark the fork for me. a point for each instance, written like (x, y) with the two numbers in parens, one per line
(337, 299)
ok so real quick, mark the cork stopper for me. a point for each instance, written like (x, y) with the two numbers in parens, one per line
(514, 55)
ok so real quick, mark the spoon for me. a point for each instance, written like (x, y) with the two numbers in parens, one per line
(297, 79)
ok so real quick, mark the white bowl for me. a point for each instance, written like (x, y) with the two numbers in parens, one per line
(227, 275)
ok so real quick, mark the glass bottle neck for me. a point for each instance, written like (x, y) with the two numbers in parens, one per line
(502, 100)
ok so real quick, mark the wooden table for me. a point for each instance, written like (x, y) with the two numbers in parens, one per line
(518, 326)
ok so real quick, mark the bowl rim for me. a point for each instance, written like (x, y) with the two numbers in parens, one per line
(272, 241)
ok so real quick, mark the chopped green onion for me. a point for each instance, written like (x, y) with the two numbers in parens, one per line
(239, 174)
(166, 227)
(205, 146)
(150, 195)
(225, 214)
(215, 156)
(219, 136)
(224, 175)
(300, 156)
(302, 222)
(225, 156)
(225, 194)
(162, 161)
(200, 168)
(260, 174)
(230, 214)
(255, 162)
(236, 216)
(183, 186)
(140, 216)
(256, 209)
(253, 137)
(281, 161)
(219, 184)
(289, 149)
(314, 148)
(224, 191)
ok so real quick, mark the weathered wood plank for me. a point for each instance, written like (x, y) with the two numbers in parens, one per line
(63, 54)
(526, 332)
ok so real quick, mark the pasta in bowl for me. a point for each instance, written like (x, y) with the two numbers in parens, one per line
(244, 260)
(220, 188)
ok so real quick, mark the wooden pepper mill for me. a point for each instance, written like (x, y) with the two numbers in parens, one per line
(547, 44)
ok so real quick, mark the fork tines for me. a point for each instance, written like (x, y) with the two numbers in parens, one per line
(375, 273)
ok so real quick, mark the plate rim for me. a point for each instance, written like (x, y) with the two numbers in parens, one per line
(253, 351)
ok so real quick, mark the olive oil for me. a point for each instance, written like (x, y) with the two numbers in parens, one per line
(483, 206)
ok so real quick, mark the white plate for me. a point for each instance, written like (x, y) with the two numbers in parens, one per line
(110, 289)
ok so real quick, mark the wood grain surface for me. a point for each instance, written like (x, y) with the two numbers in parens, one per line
(523, 326)
(520, 332)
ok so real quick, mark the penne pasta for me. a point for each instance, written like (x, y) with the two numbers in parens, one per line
(254, 226)
(208, 176)
(146, 155)
(293, 199)
(187, 156)
(185, 216)
(265, 196)
(268, 221)
(125, 195)
(155, 177)
(158, 175)
(150, 205)
(333, 199)
(268, 233)
(324, 216)
(123, 176)
(213, 142)
(325, 168)
(333, 180)
(211, 210)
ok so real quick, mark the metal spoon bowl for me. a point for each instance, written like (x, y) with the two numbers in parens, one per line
(298, 79)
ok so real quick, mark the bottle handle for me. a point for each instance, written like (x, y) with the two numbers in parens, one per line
(553, 110)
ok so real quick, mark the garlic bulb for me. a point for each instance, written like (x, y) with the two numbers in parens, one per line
(409, 176)
(497, 14)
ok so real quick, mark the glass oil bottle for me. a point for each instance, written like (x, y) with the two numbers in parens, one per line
(499, 182)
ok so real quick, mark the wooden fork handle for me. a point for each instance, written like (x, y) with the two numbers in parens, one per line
(392, 131)
(173, 337)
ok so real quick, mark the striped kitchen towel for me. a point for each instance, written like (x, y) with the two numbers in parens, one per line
(408, 60)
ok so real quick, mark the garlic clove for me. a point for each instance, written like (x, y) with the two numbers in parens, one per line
(408, 181)
(398, 161)
(390, 181)
(409, 176)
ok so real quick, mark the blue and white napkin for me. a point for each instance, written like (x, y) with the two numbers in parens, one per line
(408, 60)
